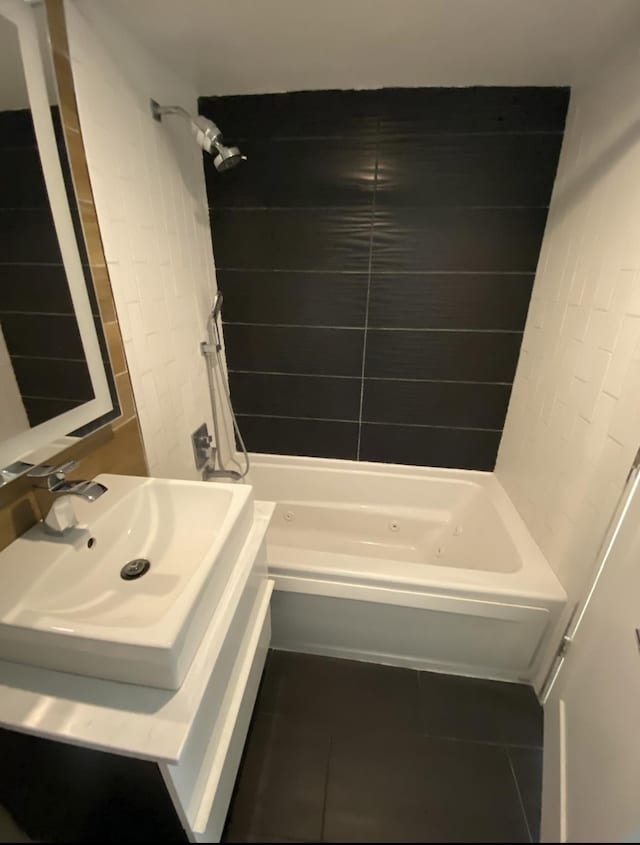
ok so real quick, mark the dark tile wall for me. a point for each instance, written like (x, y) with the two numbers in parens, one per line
(36, 311)
(377, 253)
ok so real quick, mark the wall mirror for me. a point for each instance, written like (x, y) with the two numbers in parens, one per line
(55, 380)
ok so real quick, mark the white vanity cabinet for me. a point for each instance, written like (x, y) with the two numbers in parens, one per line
(194, 734)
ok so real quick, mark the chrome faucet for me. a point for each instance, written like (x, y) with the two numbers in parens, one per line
(61, 516)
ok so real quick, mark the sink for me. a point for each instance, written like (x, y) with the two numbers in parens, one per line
(65, 605)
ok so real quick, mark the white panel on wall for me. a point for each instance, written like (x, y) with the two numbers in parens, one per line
(150, 197)
(573, 425)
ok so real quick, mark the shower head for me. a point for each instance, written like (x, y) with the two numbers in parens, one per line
(207, 135)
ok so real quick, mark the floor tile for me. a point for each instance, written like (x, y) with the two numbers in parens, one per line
(419, 789)
(527, 766)
(281, 784)
(341, 694)
(474, 709)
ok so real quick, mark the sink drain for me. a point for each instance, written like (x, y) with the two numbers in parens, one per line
(135, 569)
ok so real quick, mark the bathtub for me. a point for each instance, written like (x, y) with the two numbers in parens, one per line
(428, 568)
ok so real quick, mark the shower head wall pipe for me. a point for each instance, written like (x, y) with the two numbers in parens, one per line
(208, 136)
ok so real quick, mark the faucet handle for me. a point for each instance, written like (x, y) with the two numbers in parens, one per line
(45, 470)
(48, 476)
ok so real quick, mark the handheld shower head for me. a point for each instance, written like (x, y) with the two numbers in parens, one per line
(217, 306)
(207, 135)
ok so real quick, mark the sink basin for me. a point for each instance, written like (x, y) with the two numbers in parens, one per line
(65, 605)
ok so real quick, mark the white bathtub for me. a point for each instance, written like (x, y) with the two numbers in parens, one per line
(419, 567)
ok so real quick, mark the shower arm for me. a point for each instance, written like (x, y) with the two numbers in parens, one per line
(159, 112)
(207, 134)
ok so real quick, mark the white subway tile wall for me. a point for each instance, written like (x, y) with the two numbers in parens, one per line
(573, 425)
(151, 202)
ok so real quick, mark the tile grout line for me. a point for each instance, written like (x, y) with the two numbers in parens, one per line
(366, 306)
(307, 327)
(368, 378)
(394, 136)
(494, 743)
(367, 422)
(356, 207)
(520, 799)
(394, 273)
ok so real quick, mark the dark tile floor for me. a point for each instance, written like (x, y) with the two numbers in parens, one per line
(355, 752)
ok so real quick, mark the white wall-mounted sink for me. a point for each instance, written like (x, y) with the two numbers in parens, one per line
(65, 606)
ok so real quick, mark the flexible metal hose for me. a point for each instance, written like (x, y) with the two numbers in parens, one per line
(215, 346)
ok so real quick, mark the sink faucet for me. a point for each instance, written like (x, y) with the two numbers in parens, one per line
(61, 517)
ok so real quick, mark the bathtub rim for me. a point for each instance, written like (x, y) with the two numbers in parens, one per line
(534, 580)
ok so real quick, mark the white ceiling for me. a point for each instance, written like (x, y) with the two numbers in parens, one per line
(242, 46)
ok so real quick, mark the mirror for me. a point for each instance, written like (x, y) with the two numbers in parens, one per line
(55, 379)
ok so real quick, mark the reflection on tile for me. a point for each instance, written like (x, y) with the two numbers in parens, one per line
(450, 300)
(241, 116)
(527, 766)
(22, 179)
(457, 239)
(445, 355)
(429, 447)
(16, 129)
(280, 786)
(288, 239)
(286, 349)
(473, 109)
(435, 403)
(328, 172)
(53, 379)
(318, 397)
(27, 236)
(470, 708)
(294, 297)
(467, 169)
(341, 695)
(299, 114)
(415, 789)
(314, 438)
(43, 335)
(40, 409)
(295, 173)
(26, 287)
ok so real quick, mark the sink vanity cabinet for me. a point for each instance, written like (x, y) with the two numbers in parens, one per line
(215, 615)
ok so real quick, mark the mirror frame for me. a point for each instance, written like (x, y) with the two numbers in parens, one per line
(47, 438)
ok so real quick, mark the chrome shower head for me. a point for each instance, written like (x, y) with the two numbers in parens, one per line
(207, 135)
